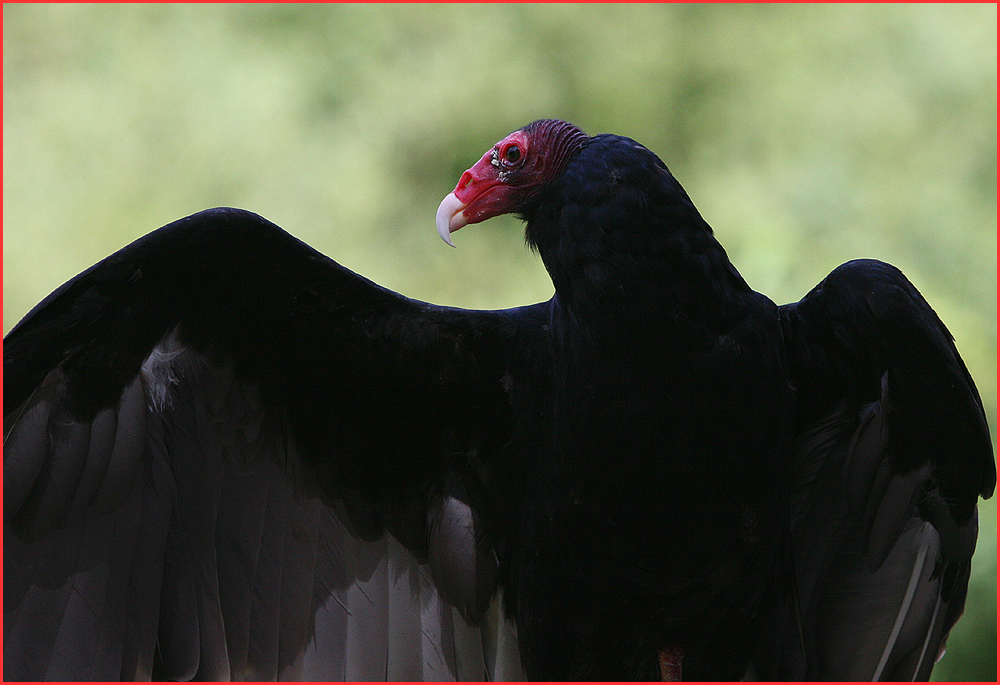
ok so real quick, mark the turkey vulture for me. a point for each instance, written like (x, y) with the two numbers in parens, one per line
(227, 456)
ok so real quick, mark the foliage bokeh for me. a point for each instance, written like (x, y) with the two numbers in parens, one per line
(807, 135)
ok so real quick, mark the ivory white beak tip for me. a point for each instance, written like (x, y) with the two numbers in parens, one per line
(449, 217)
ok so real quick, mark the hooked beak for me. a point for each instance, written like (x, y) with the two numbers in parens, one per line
(450, 217)
(479, 195)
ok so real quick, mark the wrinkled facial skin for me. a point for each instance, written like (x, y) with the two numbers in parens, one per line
(509, 174)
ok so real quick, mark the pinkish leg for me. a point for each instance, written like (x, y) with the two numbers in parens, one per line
(670, 664)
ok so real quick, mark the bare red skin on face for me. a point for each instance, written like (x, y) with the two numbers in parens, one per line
(517, 167)
(484, 187)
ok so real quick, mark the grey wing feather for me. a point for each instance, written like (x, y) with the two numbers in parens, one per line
(892, 453)
(871, 588)
(172, 537)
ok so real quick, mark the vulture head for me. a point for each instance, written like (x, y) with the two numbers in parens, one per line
(510, 175)
(607, 217)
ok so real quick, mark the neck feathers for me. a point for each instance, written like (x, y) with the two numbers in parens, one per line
(623, 242)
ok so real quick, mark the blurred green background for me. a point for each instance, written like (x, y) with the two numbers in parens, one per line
(806, 134)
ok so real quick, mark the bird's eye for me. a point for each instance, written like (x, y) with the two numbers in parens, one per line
(511, 155)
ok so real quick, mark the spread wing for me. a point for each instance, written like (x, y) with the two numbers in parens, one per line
(207, 436)
(893, 452)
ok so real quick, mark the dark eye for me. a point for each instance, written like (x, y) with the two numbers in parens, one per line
(511, 155)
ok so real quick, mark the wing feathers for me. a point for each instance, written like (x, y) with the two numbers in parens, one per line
(238, 544)
(503, 660)
(26, 448)
(892, 511)
(366, 639)
(135, 564)
(877, 617)
(103, 430)
(130, 441)
(264, 621)
(463, 568)
(195, 412)
(405, 645)
(178, 636)
(68, 443)
(892, 451)
(904, 609)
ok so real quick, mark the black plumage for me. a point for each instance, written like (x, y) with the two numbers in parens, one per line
(208, 434)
